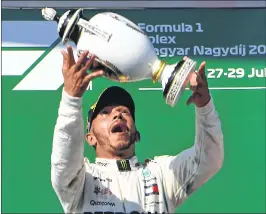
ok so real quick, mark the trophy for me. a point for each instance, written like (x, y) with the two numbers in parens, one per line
(122, 49)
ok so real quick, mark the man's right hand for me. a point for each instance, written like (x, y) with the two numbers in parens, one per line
(76, 78)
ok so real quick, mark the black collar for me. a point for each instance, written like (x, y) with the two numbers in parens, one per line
(120, 165)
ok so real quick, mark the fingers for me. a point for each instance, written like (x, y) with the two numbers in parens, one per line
(185, 58)
(201, 70)
(199, 78)
(196, 82)
(92, 76)
(193, 88)
(65, 60)
(83, 71)
(71, 55)
(199, 87)
(193, 79)
(202, 74)
(88, 64)
(81, 59)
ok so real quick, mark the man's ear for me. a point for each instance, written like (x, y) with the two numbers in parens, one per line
(137, 136)
(91, 139)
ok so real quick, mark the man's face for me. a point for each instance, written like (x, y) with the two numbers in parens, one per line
(114, 129)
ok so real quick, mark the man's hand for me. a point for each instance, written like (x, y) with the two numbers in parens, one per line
(76, 78)
(199, 85)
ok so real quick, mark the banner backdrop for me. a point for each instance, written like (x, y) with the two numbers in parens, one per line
(231, 41)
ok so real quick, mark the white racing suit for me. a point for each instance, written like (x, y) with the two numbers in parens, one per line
(109, 186)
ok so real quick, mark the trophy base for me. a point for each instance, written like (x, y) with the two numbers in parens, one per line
(178, 81)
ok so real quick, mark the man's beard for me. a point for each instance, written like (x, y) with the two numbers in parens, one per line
(122, 146)
(118, 146)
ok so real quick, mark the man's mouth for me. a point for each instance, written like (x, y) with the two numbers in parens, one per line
(119, 128)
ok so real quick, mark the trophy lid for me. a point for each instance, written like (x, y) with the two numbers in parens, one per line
(50, 14)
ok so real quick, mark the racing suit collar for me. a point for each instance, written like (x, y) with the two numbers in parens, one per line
(119, 165)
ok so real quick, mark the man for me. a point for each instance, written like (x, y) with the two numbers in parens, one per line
(117, 182)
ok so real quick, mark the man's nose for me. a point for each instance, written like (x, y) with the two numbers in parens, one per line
(117, 116)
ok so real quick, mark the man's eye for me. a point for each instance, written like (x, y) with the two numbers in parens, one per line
(104, 112)
(126, 112)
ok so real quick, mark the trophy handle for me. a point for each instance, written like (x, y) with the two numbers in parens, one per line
(71, 25)
(76, 22)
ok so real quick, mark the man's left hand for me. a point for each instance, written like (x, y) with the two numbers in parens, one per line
(199, 86)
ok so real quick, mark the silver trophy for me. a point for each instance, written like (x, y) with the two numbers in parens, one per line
(123, 51)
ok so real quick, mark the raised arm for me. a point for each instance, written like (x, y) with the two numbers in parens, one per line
(186, 172)
(67, 170)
